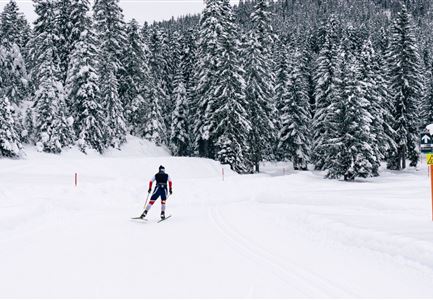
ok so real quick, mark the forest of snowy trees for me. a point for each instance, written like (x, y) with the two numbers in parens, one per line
(338, 86)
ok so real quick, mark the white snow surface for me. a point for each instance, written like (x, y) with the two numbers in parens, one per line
(282, 233)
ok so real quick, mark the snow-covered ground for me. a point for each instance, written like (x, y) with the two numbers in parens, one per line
(278, 234)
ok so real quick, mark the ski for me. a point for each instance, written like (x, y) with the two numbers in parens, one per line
(164, 219)
(139, 218)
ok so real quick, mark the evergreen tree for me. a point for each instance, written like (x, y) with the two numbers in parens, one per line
(111, 39)
(11, 25)
(44, 39)
(327, 93)
(189, 62)
(283, 69)
(260, 84)
(179, 139)
(406, 88)
(428, 105)
(350, 154)
(82, 87)
(53, 128)
(65, 24)
(159, 65)
(14, 78)
(145, 33)
(152, 126)
(229, 120)
(208, 54)
(375, 90)
(387, 144)
(136, 71)
(294, 136)
(10, 145)
(188, 57)
(28, 133)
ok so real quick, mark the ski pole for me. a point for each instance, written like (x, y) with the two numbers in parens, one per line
(147, 199)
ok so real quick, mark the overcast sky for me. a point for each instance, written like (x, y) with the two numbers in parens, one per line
(141, 10)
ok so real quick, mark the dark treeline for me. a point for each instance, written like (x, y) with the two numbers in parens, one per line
(339, 85)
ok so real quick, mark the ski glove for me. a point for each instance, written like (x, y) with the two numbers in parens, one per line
(149, 191)
(171, 191)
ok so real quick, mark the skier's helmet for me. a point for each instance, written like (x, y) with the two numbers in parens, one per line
(161, 169)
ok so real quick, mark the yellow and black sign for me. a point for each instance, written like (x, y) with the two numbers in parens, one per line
(430, 158)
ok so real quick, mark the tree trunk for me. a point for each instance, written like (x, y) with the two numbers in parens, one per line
(206, 148)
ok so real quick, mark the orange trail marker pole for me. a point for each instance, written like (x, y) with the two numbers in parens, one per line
(431, 183)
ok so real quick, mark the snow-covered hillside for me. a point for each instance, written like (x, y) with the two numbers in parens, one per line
(267, 235)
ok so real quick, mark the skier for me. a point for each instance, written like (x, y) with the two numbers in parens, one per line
(161, 179)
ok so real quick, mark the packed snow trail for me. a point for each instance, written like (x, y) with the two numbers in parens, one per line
(263, 235)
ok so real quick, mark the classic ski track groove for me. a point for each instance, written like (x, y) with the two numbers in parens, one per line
(341, 291)
(252, 254)
(275, 265)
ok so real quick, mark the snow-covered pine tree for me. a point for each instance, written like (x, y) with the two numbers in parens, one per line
(188, 59)
(109, 27)
(28, 134)
(10, 29)
(371, 91)
(179, 139)
(10, 145)
(209, 56)
(229, 119)
(159, 65)
(136, 73)
(14, 30)
(349, 153)
(428, 105)
(79, 21)
(173, 56)
(295, 134)
(65, 24)
(152, 126)
(82, 84)
(145, 33)
(115, 135)
(327, 79)
(189, 62)
(45, 35)
(72, 22)
(387, 145)
(53, 128)
(14, 78)
(19, 124)
(283, 68)
(260, 84)
(307, 67)
(406, 89)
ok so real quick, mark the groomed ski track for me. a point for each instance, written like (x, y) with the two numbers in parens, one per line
(263, 235)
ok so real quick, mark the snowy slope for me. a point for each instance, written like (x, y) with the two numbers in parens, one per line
(263, 235)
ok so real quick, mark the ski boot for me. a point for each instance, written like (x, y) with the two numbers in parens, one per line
(143, 215)
(162, 215)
